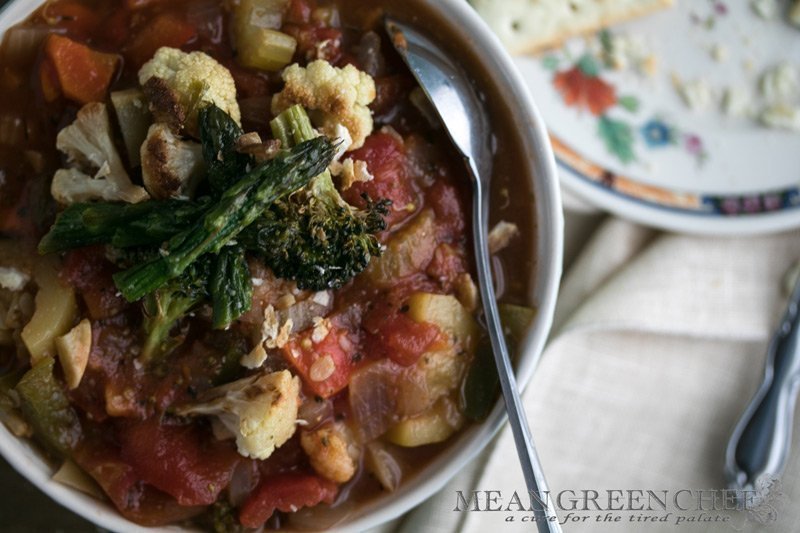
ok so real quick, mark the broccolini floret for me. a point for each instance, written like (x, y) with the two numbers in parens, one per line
(166, 306)
(314, 237)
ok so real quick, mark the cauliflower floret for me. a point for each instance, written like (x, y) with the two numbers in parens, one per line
(171, 166)
(179, 84)
(88, 144)
(351, 172)
(13, 279)
(332, 452)
(260, 410)
(339, 95)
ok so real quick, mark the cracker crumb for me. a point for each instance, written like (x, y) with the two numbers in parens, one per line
(781, 116)
(766, 9)
(736, 102)
(322, 369)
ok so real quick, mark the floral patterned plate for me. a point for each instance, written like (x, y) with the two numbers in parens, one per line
(627, 141)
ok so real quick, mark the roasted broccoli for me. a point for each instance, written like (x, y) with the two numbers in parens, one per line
(166, 306)
(314, 237)
(238, 207)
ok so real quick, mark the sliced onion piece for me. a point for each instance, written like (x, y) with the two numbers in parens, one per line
(383, 465)
(23, 42)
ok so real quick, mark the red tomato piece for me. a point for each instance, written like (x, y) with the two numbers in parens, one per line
(447, 264)
(402, 339)
(139, 4)
(449, 208)
(390, 92)
(386, 161)
(116, 28)
(286, 493)
(168, 29)
(182, 461)
(90, 273)
(78, 19)
(134, 500)
(313, 360)
(299, 12)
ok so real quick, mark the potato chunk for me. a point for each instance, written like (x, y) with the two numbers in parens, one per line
(332, 452)
(73, 352)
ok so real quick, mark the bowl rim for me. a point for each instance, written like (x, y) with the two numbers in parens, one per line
(548, 228)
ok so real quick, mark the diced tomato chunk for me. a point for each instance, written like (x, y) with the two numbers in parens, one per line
(286, 493)
(447, 204)
(78, 19)
(116, 28)
(390, 91)
(134, 500)
(325, 365)
(402, 339)
(90, 273)
(115, 477)
(299, 12)
(138, 4)
(386, 161)
(447, 264)
(168, 29)
(179, 460)
(84, 75)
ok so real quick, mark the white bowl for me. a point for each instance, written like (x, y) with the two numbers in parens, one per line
(481, 43)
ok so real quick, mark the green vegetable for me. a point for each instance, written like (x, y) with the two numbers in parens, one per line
(223, 518)
(482, 383)
(236, 209)
(516, 319)
(480, 387)
(46, 408)
(166, 306)
(231, 287)
(121, 225)
(315, 238)
(218, 135)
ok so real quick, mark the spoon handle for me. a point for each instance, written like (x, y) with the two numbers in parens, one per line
(544, 512)
(761, 440)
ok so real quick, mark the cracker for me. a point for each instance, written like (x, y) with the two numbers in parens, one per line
(527, 26)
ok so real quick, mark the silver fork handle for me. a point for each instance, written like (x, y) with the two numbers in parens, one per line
(544, 511)
(761, 441)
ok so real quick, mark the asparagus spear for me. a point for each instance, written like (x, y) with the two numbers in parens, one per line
(236, 209)
(230, 286)
(121, 225)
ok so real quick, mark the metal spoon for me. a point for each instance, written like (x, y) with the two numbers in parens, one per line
(466, 121)
(761, 440)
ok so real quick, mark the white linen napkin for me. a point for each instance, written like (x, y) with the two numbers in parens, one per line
(659, 344)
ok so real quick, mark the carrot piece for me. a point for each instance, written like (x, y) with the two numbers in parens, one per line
(49, 80)
(166, 30)
(84, 74)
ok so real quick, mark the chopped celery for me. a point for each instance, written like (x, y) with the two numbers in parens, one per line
(259, 43)
(265, 49)
(293, 127)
